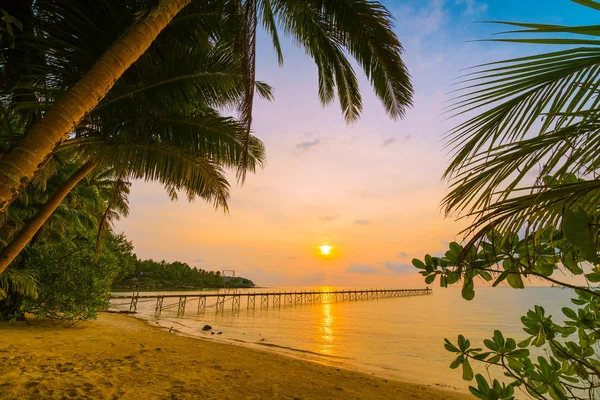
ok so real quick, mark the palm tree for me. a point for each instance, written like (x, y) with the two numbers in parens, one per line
(518, 162)
(157, 123)
(327, 29)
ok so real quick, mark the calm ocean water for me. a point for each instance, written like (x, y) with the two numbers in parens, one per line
(400, 338)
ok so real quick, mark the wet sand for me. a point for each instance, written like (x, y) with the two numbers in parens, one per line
(119, 357)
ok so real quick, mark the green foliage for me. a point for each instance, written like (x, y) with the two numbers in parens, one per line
(23, 282)
(150, 274)
(538, 117)
(75, 282)
(8, 25)
(571, 368)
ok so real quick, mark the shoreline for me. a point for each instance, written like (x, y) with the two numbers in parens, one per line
(327, 360)
(121, 357)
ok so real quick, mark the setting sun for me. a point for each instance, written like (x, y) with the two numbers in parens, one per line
(325, 250)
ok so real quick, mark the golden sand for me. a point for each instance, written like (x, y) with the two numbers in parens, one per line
(119, 357)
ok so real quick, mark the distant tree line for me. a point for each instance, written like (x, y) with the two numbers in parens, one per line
(150, 274)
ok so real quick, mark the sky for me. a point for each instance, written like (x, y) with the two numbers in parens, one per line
(371, 189)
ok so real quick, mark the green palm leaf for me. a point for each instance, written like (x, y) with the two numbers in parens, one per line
(170, 165)
(21, 281)
(539, 118)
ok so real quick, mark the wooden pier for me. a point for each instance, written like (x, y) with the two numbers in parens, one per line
(261, 300)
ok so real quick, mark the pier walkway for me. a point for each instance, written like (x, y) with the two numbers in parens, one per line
(203, 301)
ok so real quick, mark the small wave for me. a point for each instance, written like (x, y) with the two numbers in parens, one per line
(292, 349)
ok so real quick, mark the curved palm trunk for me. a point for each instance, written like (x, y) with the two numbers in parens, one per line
(22, 162)
(24, 236)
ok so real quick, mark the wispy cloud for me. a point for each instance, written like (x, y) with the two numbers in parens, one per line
(306, 145)
(362, 222)
(329, 218)
(472, 7)
(399, 268)
(389, 141)
(423, 21)
(362, 269)
(402, 254)
(393, 140)
(197, 260)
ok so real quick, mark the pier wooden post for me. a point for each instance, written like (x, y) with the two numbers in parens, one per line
(134, 301)
(264, 301)
(159, 305)
(201, 304)
(181, 306)
(251, 301)
(235, 302)
(220, 303)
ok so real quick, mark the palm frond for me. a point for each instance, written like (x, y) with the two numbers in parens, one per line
(21, 281)
(170, 165)
(117, 205)
(543, 208)
(327, 29)
(245, 44)
(539, 118)
(270, 25)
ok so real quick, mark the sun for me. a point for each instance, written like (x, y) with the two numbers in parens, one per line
(325, 249)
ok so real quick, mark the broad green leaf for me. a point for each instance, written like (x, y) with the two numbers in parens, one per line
(570, 262)
(521, 353)
(467, 370)
(577, 233)
(450, 347)
(594, 276)
(468, 292)
(457, 362)
(498, 338)
(524, 343)
(500, 278)
(482, 384)
(482, 356)
(418, 263)
(569, 313)
(515, 281)
(545, 269)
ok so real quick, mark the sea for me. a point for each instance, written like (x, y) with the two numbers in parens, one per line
(399, 338)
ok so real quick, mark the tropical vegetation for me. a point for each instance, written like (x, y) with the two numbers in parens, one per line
(150, 274)
(97, 95)
(328, 30)
(525, 172)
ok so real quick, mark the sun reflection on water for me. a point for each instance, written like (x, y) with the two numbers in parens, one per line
(326, 335)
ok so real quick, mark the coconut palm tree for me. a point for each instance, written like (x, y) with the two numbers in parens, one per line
(114, 34)
(518, 161)
(157, 123)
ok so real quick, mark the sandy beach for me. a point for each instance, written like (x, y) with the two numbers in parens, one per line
(119, 357)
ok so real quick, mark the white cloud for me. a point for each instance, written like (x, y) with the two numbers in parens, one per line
(472, 7)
